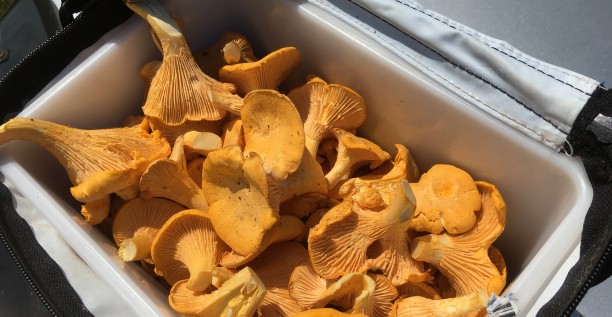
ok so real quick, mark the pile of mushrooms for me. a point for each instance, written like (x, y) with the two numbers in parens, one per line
(247, 201)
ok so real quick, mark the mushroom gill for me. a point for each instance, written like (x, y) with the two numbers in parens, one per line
(193, 95)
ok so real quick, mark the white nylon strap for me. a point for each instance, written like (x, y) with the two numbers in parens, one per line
(534, 97)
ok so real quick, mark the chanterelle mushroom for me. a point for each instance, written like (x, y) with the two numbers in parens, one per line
(193, 95)
(266, 73)
(237, 191)
(353, 152)
(136, 224)
(312, 291)
(417, 306)
(463, 258)
(339, 243)
(230, 48)
(98, 162)
(273, 129)
(376, 300)
(448, 199)
(404, 167)
(285, 229)
(329, 106)
(169, 178)
(275, 274)
(239, 296)
(187, 247)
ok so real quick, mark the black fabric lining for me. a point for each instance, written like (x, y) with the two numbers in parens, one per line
(44, 275)
(594, 264)
(463, 69)
(495, 48)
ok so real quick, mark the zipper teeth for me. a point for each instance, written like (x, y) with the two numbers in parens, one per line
(26, 276)
(38, 48)
(572, 307)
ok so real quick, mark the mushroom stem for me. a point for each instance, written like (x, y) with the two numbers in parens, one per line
(312, 145)
(164, 26)
(200, 281)
(402, 205)
(96, 211)
(135, 248)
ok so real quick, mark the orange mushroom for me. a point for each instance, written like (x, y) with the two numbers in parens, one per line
(448, 200)
(98, 162)
(136, 224)
(326, 106)
(169, 178)
(338, 244)
(193, 95)
(188, 248)
(417, 306)
(464, 258)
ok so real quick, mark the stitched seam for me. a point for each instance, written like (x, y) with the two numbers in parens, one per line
(374, 33)
(489, 44)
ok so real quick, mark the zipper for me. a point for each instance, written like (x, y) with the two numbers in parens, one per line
(38, 48)
(589, 283)
(25, 274)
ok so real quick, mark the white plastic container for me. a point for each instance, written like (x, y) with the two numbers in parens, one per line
(547, 193)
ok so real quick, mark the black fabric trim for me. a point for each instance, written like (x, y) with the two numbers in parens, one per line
(594, 264)
(37, 69)
(40, 271)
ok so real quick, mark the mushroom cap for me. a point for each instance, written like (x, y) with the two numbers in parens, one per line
(305, 204)
(237, 191)
(448, 199)
(238, 296)
(286, 229)
(329, 106)
(452, 307)
(404, 167)
(338, 244)
(223, 52)
(147, 72)
(273, 130)
(169, 178)
(353, 152)
(233, 133)
(136, 224)
(266, 73)
(98, 162)
(187, 247)
(308, 178)
(464, 258)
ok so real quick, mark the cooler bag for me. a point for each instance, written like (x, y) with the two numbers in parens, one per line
(559, 115)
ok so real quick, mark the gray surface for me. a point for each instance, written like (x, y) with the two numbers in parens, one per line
(570, 34)
(574, 35)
